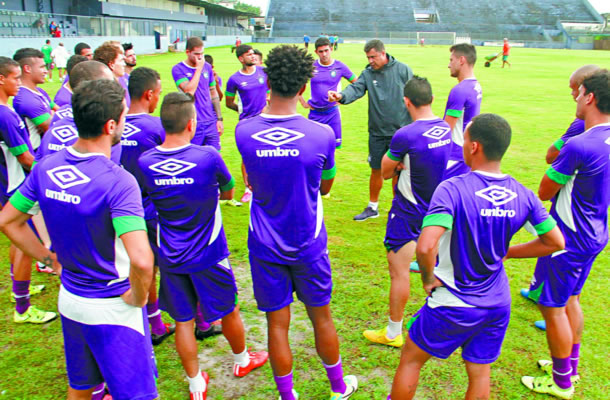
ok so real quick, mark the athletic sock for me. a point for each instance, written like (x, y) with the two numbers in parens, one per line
(562, 371)
(374, 205)
(284, 386)
(98, 392)
(394, 328)
(574, 358)
(199, 321)
(22, 295)
(242, 359)
(335, 376)
(196, 383)
(12, 274)
(154, 319)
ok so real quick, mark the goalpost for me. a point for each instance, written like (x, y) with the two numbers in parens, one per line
(436, 37)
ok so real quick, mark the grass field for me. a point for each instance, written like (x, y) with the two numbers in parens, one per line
(533, 96)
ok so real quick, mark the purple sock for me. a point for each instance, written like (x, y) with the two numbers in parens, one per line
(98, 392)
(12, 274)
(22, 295)
(284, 386)
(199, 322)
(562, 371)
(154, 319)
(335, 376)
(574, 358)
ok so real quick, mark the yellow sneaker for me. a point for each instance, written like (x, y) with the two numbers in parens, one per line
(380, 336)
(545, 384)
(34, 315)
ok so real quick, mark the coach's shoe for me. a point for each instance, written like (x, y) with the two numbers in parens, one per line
(351, 385)
(414, 266)
(525, 293)
(213, 330)
(34, 289)
(246, 197)
(294, 394)
(202, 395)
(366, 214)
(545, 384)
(257, 359)
(547, 366)
(380, 336)
(158, 339)
(40, 267)
(233, 203)
(326, 196)
(34, 315)
(540, 325)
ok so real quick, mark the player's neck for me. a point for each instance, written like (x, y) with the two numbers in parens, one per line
(29, 84)
(138, 107)
(101, 144)
(174, 140)
(332, 60)
(282, 106)
(128, 70)
(189, 63)
(596, 118)
(484, 165)
(465, 73)
(423, 112)
(248, 69)
(4, 98)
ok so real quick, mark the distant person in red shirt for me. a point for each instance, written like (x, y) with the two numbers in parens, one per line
(505, 51)
(237, 44)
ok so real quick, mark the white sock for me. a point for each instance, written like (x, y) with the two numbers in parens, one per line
(247, 190)
(374, 205)
(394, 328)
(196, 384)
(242, 359)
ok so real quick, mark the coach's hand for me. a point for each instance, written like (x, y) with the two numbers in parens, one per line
(431, 285)
(334, 96)
(220, 127)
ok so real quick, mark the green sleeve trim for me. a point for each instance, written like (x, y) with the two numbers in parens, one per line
(19, 150)
(33, 164)
(227, 93)
(392, 157)
(351, 78)
(213, 83)
(444, 220)
(41, 118)
(228, 186)
(21, 203)
(546, 226)
(454, 113)
(52, 104)
(558, 177)
(128, 224)
(559, 144)
(181, 81)
(329, 173)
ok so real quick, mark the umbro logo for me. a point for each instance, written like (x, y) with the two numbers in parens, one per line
(130, 130)
(498, 196)
(65, 113)
(66, 133)
(243, 84)
(67, 176)
(608, 141)
(172, 167)
(277, 136)
(436, 132)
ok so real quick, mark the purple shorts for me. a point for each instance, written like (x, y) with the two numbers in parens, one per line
(214, 287)
(152, 229)
(107, 340)
(478, 331)
(330, 117)
(456, 168)
(558, 277)
(401, 229)
(206, 134)
(274, 283)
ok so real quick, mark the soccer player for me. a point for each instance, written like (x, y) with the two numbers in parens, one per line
(210, 60)
(463, 104)
(306, 40)
(259, 57)
(32, 103)
(418, 154)
(16, 158)
(578, 184)
(196, 77)
(64, 94)
(328, 73)
(130, 58)
(106, 261)
(384, 79)
(505, 53)
(284, 259)
(112, 54)
(251, 84)
(183, 181)
(60, 57)
(83, 49)
(469, 224)
(143, 132)
(48, 61)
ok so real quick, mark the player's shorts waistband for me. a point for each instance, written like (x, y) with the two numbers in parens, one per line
(324, 110)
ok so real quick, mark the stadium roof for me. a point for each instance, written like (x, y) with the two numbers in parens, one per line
(211, 6)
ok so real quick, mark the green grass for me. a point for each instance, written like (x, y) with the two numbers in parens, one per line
(533, 96)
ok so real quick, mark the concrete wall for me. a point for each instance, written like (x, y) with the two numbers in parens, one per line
(215, 41)
(142, 44)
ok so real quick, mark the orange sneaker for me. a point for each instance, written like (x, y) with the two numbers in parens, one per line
(257, 359)
(204, 394)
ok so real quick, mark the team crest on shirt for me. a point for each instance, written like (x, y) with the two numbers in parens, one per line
(173, 167)
(498, 196)
(333, 73)
(66, 176)
(128, 131)
(206, 75)
(277, 137)
(608, 141)
(437, 133)
(261, 80)
(65, 113)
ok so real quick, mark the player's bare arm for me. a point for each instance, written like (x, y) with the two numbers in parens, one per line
(543, 245)
(551, 154)
(230, 103)
(426, 251)
(548, 188)
(390, 168)
(191, 86)
(141, 267)
(26, 160)
(216, 103)
(451, 121)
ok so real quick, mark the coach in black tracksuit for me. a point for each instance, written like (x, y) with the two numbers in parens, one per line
(384, 78)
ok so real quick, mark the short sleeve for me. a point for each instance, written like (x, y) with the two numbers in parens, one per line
(455, 103)
(225, 180)
(329, 170)
(26, 196)
(179, 75)
(576, 128)
(399, 146)
(126, 208)
(211, 80)
(12, 130)
(37, 111)
(231, 89)
(539, 218)
(442, 207)
(566, 163)
(347, 73)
